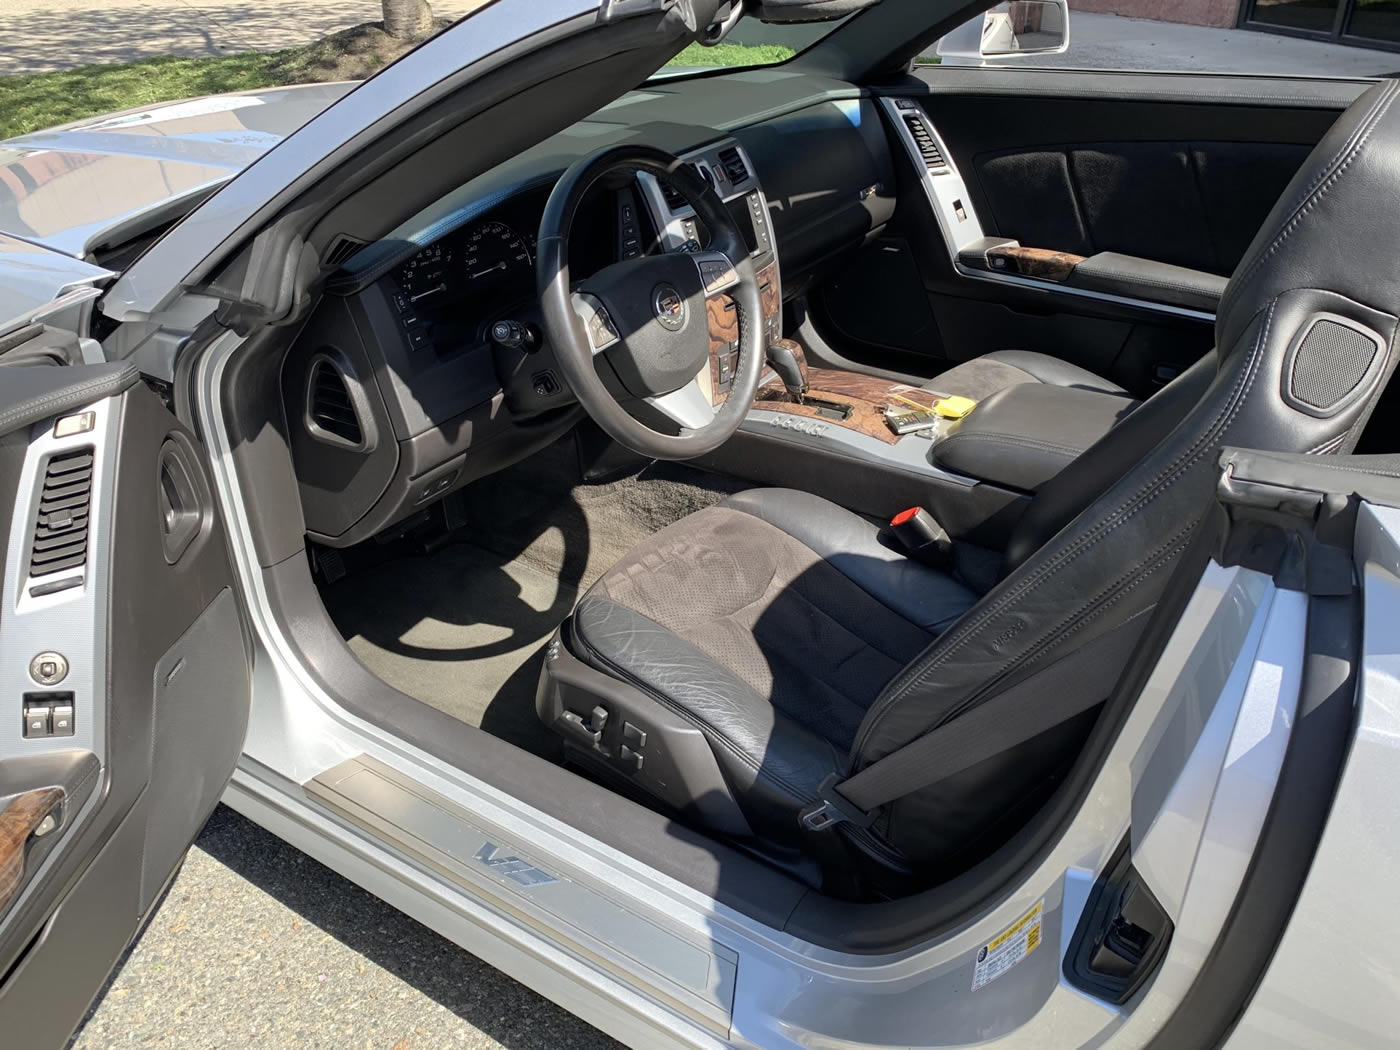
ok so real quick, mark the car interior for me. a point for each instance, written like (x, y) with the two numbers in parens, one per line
(798, 458)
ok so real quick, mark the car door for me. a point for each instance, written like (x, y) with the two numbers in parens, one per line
(1154, 181)
(125, 670)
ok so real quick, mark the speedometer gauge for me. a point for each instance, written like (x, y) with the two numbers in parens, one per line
(493, 251)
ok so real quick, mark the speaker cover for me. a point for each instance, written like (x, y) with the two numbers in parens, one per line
(1329, 365)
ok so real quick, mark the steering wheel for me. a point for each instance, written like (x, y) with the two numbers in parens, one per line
(638, 331)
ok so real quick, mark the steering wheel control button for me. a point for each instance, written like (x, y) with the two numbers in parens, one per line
(717, 275)
(48, 668)
(669, 307)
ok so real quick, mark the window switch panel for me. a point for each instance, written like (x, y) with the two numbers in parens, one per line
(48, 714)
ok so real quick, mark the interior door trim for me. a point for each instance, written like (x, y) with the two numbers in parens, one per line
(946, 192)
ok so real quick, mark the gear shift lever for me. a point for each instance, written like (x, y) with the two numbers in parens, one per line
(786, 358)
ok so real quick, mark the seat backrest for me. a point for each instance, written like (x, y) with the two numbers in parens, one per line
(1304, 344)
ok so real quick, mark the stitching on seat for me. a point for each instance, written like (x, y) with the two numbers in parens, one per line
(1015, 440)
(1325, 179)
(1126, 510)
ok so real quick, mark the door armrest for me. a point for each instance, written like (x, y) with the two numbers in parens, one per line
(1135, 278)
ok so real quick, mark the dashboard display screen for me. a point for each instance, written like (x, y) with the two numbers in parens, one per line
(739, 210)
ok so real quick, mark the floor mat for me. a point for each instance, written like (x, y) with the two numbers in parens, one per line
(463, 628)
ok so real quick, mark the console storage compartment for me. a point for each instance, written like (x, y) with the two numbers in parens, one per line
(1021, 437)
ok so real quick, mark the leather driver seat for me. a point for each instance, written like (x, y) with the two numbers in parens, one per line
(744, 655)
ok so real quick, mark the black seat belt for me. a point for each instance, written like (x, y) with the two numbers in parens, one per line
(1035, 705)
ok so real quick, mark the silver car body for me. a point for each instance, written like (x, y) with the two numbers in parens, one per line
(631, 950)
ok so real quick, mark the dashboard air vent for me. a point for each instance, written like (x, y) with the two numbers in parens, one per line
(341, 250)
(61, 533)
(329, 405)
(674, 200)
(928, 149)
(734, 167)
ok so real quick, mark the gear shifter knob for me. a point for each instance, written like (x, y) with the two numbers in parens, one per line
(787, 359)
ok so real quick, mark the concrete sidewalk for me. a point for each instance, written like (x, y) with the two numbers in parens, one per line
(37, 36)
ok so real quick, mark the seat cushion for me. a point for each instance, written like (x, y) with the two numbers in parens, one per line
(771, 622)
(983, 376)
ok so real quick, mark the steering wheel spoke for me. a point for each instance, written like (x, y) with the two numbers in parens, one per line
(597, 322)
(687, 407)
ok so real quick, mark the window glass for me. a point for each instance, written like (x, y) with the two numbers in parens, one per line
(750, 43)
(1325, 38)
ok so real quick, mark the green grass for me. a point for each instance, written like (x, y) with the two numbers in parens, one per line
(732, 55)
(42, 100)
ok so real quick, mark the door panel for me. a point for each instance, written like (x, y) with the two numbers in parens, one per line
(126, 669)
(1168, 168)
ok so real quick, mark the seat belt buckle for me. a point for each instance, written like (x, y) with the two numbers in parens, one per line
(833, 808)
(922, 538)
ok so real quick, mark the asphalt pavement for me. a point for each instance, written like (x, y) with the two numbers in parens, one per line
(258, 946)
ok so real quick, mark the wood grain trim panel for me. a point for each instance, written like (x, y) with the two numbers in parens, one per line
(723, 320)
(865, 395)
(18, 820)
(1036, 262)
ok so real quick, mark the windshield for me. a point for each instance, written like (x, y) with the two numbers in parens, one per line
(751, 43)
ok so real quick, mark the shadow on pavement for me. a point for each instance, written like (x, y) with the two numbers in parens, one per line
(474, 991)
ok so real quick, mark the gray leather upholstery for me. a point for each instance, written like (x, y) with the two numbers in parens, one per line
(1024, 435)
(770, 621)
(983, 376)
(1109, 531)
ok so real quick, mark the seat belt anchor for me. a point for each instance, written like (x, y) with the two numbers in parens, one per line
(833, 808)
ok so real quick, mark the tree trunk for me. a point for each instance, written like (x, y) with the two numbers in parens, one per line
(406, 19)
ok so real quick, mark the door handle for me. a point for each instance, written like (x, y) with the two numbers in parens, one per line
(26, 816)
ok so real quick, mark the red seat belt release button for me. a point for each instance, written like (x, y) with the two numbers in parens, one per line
(921, 537)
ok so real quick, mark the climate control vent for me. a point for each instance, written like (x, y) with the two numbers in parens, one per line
(329, 406)
(61, 531)
(734, 167)
(341, 250)
(674, 200)
(923, 138)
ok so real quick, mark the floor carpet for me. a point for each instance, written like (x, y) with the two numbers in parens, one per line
(462, 628)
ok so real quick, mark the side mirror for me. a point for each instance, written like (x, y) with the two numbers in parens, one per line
(1009, 30)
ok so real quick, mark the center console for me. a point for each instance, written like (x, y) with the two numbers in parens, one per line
(976, 475)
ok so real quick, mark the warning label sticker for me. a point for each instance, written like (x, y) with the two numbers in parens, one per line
(1004, 951)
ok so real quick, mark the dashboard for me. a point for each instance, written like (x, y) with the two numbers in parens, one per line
(449, 293)
(399, 389)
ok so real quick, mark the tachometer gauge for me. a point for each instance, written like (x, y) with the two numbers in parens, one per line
(493, 251)
(424, 278)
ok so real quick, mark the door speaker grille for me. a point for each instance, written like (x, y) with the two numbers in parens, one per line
(61, 531)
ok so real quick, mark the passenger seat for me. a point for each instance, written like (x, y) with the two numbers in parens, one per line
(983, 376)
